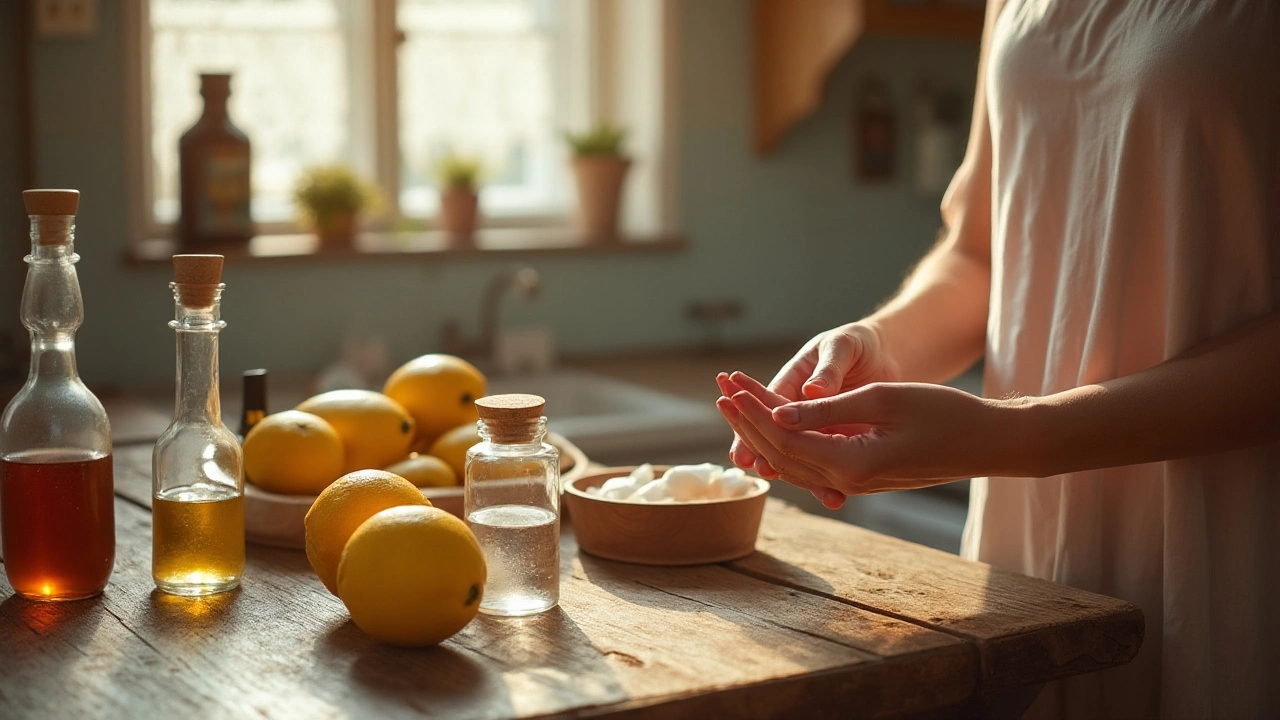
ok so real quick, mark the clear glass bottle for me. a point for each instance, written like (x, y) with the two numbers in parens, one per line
(512, 504)
(197, 469)
(56, 489)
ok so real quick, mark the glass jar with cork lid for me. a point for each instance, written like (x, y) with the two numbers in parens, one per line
(512, 504)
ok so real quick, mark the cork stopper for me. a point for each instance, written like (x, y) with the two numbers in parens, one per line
(511, 418)
(197, 278)
(51, 202)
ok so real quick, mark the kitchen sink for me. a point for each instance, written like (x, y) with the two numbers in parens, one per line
(614, 421)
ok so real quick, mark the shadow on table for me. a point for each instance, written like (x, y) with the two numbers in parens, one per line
(436, 679)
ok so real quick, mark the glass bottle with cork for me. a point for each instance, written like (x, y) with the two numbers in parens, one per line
(56, 489)
(197, 469)
(512, 504)
(214, 174)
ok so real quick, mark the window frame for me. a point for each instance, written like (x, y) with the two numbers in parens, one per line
(377, 132)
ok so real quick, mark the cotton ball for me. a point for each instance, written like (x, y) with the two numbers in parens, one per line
(619, 488)
(653, 491)
(642, 475)
(691, 482)
(735, 483)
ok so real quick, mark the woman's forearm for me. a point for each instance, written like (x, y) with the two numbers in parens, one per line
(1221, 395)
(936, 326)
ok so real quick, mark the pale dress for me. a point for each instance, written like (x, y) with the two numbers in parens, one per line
(1126, 164)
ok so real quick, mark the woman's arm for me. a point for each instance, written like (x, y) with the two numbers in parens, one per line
(1220, 395)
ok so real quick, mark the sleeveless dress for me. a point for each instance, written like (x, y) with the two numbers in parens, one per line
(1128, 173)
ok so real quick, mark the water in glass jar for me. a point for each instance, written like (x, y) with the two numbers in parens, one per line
(521, 546)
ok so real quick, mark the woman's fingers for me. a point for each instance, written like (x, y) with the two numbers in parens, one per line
(740, 453)
(864, 406)
(830, 498)
(744, 381)
(783, 450)
(837, 353)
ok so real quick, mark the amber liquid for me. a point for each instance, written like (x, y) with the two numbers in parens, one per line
(197, 539)
(59, 526)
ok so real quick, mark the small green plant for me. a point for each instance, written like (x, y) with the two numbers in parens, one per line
(602, 139)
(461, 172)
(327, 192)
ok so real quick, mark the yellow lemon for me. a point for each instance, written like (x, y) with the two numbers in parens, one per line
(412, 576)
(293, 452)
(375, 430)
(452, 447)
(425, 471)
(343, 507)
(439, 391)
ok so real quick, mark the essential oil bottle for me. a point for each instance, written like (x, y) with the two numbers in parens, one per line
(197, 473)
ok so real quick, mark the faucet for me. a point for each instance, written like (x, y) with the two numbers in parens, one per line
(524, 281)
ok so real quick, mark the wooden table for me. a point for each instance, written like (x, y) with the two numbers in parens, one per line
(824, 620)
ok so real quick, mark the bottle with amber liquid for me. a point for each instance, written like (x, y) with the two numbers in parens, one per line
(213, 171)
(197, 470)
(57, 508)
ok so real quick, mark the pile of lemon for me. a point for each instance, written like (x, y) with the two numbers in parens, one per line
(420, 427)
(409, 573)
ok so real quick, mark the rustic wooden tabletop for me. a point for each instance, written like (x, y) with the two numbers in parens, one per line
(825, 619)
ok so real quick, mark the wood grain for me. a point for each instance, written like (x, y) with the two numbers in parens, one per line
(624, 638)
(1027, 631)
(827, 620)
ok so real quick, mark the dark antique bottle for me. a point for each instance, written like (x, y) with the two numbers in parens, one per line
(214, 175)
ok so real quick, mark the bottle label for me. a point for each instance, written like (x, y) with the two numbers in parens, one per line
(223, 208)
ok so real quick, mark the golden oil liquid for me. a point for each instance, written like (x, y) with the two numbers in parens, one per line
(197, 539)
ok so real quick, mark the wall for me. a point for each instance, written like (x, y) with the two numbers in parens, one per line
(792, 235)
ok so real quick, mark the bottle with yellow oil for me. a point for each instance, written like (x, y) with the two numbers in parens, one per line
(197, 470)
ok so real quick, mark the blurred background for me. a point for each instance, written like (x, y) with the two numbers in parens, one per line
(787, 159)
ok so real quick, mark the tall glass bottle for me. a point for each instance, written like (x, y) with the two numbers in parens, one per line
(56, 493)
(197, 470)
(214, 174)
(512, 504)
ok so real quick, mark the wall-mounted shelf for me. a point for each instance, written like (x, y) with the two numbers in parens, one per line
(799, 42)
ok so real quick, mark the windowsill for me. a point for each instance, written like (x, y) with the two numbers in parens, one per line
(495, 243)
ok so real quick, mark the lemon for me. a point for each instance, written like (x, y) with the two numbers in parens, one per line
(343, 507)
(412, 576)
(425, 471)
(439, 391)
(452, 447)
(293, 452)
(375, 430)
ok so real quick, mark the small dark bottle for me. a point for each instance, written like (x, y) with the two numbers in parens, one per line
(213, 159)
(255, 400)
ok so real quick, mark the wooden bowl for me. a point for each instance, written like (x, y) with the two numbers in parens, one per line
(277, 520)
(693, 533)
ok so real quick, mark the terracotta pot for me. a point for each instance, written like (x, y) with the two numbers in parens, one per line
(458, 211)
(337, 231)
(600, 179)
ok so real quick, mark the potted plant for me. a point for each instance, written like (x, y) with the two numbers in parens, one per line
(600, 169)
(459, 179)
(331, 198)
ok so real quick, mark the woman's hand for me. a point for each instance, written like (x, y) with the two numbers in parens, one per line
(879, 437)
(838, 360)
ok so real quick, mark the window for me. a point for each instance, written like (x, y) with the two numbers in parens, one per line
(391, 86)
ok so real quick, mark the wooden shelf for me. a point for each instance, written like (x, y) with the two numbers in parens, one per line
(798, 43)
(498, 243)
